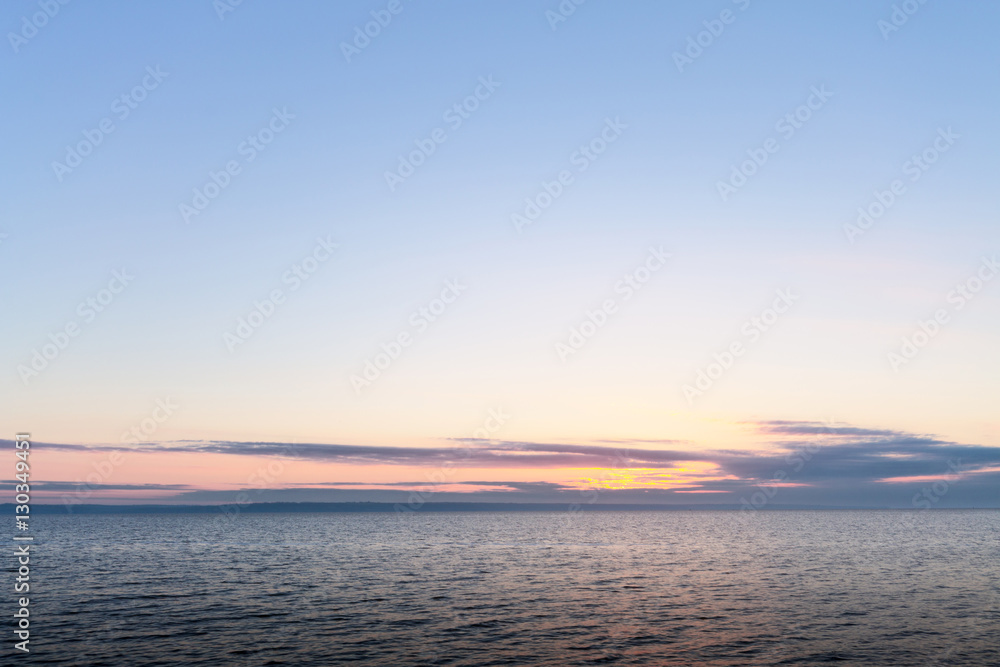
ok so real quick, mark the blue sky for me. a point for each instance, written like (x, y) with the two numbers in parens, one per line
(557, 85)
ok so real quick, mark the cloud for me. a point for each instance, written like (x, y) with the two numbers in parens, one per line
(78, 486)
(479, 454)
(425, 484)
(808, 462)
(819, 428)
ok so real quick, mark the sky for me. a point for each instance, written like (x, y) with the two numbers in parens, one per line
(527, 251)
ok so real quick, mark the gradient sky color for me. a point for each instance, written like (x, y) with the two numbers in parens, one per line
(555, 86)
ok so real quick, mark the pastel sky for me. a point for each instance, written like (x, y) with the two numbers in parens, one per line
(502, 250)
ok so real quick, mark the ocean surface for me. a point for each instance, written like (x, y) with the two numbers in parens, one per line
(525, 588)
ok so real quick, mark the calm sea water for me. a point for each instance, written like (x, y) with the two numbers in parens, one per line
(552, 588)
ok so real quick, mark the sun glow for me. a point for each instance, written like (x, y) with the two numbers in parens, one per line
(686, 475)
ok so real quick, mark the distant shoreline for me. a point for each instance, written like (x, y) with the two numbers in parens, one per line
(370, 507)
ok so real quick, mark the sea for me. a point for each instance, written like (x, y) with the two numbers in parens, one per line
(514, 588)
